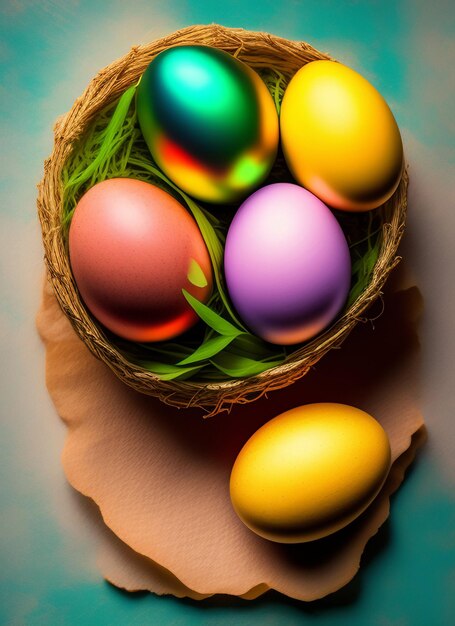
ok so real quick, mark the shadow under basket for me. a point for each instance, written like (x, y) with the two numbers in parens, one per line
(260, 51)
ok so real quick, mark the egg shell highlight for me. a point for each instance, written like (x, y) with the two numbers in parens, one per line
(309, 472)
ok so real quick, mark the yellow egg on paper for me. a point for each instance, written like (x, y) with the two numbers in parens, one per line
(340, 138)
(309, 472)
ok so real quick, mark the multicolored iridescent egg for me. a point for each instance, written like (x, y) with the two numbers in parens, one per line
(133, 248)
(340, 138)
(286, 263)
(209, 121)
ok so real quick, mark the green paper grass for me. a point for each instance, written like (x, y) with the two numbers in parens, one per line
(219, 347)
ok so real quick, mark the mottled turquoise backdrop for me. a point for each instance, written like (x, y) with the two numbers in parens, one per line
(49, 50)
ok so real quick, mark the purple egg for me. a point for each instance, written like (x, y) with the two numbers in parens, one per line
(287, 264)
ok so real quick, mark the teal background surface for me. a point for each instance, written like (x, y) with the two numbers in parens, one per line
(49, 51)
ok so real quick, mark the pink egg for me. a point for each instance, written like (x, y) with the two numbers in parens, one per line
(132, 246)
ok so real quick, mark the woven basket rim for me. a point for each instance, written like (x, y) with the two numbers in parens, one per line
(106, 87)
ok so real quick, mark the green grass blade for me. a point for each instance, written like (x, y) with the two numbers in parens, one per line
(208, 349)
(196, 274)
(169, 372)
(237, 366)
(108, 145)
(212, 319)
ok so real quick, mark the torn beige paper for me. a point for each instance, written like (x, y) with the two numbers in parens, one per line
(161, 475)
(134, 572)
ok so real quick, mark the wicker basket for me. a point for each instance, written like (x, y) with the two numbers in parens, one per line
(259, 50)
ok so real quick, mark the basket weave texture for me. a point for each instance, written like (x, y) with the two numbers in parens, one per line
(259, 50)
